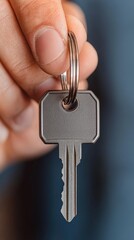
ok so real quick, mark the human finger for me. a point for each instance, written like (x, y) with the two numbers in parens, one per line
(73, 9)
(16, 57)
(88, 60)
(45, 28)
(4, 132)
(19, 62)
(14, 104)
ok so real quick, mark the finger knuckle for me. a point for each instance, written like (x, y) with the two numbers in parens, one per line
(21, 69)
(4, 11)
(36, 9)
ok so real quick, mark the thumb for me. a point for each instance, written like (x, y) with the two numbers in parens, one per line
(44, 26)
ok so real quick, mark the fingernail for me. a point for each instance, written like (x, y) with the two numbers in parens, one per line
(49, 45)
(23, 120)
(4, 133)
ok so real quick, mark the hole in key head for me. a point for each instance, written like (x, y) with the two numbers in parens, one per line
(71, 106)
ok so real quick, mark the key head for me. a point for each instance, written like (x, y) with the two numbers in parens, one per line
(80, 124)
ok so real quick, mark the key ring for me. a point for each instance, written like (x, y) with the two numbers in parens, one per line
(73, 73)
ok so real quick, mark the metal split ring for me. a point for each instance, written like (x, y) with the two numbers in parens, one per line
(70, 79)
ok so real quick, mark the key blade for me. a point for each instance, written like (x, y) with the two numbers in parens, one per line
(69, 194)
(69, 157)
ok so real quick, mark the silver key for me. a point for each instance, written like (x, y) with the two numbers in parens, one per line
(69, 128)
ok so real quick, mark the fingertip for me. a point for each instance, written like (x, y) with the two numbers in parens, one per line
(88, 60)
(61, 64)
(72, 8)
(83, 85)
(76, 26)
(49, 48)
(58, 66)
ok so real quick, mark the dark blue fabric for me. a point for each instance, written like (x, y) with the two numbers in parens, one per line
(106, 172)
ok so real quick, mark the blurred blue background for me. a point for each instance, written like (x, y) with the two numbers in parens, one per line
(30, 192)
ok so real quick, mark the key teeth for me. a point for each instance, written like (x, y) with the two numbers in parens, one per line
(62, 172)
(62, 199)
(62, 194)
(67, 210)
(68, 219)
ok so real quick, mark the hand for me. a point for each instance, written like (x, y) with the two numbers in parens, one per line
(33, 49)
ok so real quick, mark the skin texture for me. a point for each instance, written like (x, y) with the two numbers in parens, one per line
(29, 66)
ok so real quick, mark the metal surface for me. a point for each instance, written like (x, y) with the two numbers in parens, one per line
(70, 154)
(69, 129)
(70, 79)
